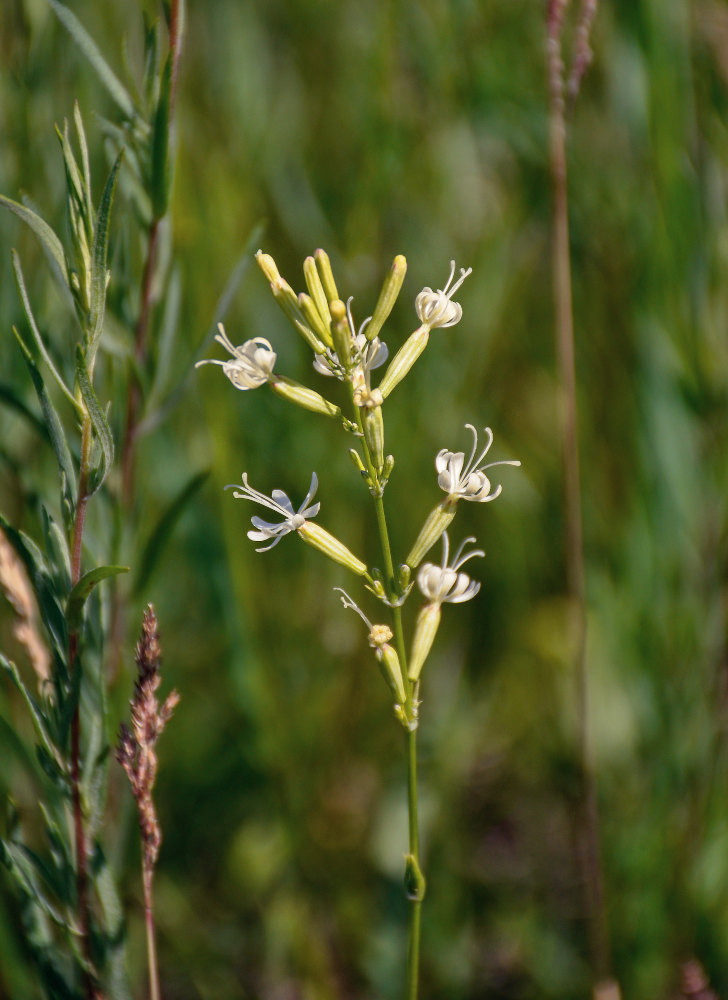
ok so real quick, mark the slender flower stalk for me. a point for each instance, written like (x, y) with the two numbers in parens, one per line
(136, 752)
(574, 542)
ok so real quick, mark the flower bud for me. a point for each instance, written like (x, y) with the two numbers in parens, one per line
(267, 265)
(374, 435)
(302, 396)
(403, 360)
(319, 538)
(387, 296)
(438, 520)
(428, 622)
(286, 299)
(316, 289)
(356, 459)
(327, 278)
(340, 332)
(314, 319)
(392, 672)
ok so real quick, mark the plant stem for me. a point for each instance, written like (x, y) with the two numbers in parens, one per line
(147, 876)
(413, 947)
(75, 761)
(564, 329)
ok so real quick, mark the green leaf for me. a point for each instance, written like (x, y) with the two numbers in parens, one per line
(89, 48)
(42, 230)
(163, 531)
(83, 146)
(23, 872)
(20, 282)
(54, 425)
(161, 179)
(78, 596)
(99, 253)
(113, 913)
(40, 722)
(99, 422)
(76, 187)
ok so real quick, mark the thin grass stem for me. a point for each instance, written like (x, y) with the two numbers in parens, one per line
(574, 540)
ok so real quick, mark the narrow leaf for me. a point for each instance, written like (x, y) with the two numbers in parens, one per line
(53, 423)
(42, 230)
(40, 723)
(22, 291)
(89, 48)
(83, 146)
(78, 596)
(163, 530)
(73, 174)
(99, 422)
(99, 253)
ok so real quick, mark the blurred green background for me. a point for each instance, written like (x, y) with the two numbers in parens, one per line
(420, 128)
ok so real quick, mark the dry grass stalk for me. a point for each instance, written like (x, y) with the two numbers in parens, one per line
(16, 586)
(136, 753)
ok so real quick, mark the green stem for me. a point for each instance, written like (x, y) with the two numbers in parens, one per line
(413, 948)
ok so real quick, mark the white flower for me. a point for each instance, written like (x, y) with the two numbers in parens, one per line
(252, 363)
(366, 355)
(436, 309)
(444, 583)
(281, 504)
(471, 482)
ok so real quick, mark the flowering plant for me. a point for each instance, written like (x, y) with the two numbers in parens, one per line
(350, 355)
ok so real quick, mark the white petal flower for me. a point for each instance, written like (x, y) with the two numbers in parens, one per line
(366, 355)
(281, 504)
(252, 363)
(443, 583)
(470, 482)
(436, 309)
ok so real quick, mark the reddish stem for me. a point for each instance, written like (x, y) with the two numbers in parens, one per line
(75, 762)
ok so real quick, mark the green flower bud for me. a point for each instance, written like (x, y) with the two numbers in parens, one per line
(327, 278)
(356, 459)
(316, 289)
(314, 319)
(286, 299)
(267, 265)
(438, 520)
(320, 539)
(392, 672)
(340, 332)
(374, 435)
(403, 360)
(302, 396)
(387, 296)
(428, 622)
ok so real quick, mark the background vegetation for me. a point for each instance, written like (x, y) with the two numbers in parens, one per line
(419, 127)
